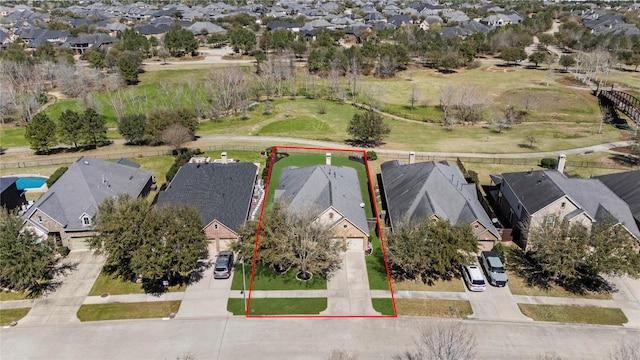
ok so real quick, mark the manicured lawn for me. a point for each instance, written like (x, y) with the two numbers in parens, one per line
(159, 165)
(383, 305)
(12, 137)
(106, 283)
(518, 286)
(574, 314)
(454, 285)
(376, 269)
(436, 308)
(280, 306)
(9, 315)
(11, 295)
(266, 279)
(117, 311)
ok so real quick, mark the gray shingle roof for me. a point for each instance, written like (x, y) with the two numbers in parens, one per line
(218, 191)
(84, 185)
(420, 190)
(321, 187)
(627, 186)
(537, 189)
(6, 182)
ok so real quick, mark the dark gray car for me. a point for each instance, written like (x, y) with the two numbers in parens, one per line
(224, 264)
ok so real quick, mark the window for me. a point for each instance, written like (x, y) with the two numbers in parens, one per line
(86, 220)
(215, 226)
(331, 216)
(39, 218)
(344, 226)
(550, 220)
(563, 205)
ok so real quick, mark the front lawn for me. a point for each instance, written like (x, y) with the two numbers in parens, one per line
(106, 283)
(574, 314)
(13, 295)
(266, 279)
(376, 269)
(518, 286)
(436, 308)
(118, 311)
(9, 315)
(383, 305)
(280, 306)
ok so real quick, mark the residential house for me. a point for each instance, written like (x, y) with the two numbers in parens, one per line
(627, 186)
(437, 190)
(10, 196)
(333, 194)
(533, 198)
(70, 205)
(202, 27)
(221, 192)
(85, 42)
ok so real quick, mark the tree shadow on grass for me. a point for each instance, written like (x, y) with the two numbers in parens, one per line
(364, 144)
(525, 267)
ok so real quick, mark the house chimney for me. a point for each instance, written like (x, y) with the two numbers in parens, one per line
(412, 158)
(562, 158)
(224, 157)
(328, 156)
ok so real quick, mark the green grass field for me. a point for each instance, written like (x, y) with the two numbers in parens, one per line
(383, 305)
(280, 306)
(574, 314)
(106, 283)
(119, 311)
(9, 315)
(436, 308)
(12, 295)
(266, 279)
(376, 269)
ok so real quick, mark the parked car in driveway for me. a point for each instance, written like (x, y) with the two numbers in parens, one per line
(224, 264)
(472, 276)
(493, 267)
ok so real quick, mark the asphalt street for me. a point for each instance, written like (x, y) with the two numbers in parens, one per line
(241, 338)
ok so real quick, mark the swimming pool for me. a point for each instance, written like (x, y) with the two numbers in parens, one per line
(30, 182)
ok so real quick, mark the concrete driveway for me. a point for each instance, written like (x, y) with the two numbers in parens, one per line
(62, 304)
(348, 288)
(495, 304)
(207, 296)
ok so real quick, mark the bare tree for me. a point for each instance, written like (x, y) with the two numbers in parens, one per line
(353, 75)
(626, 349)
(176, 135)
(468, 101)
(227, 89)
(371, 95)
(414, 96)
(443, 341)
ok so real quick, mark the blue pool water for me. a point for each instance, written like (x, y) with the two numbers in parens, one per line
(30, 182)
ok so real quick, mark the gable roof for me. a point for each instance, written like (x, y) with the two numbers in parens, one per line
(324, 186)
(627, 186)
(537, 189)
(420, 190)
(6, 182)
(83, 186)
(217, 191)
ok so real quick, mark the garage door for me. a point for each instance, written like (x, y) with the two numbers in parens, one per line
(355, 244)
(78, 244)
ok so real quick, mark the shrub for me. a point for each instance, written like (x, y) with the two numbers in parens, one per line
(64, 251)
(181, 159)
(549, 163)
(371, 155)
(56, 175)
(499, 249)
(474, 64)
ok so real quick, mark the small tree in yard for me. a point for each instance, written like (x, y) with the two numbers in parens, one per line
(573, 257)
(132, 127)
(94, 130)
(70, 126)
(25, 261)
(367, 128)
(41, 133)
(429, 250)
(538, 57)
(442, 341)
(414, 96)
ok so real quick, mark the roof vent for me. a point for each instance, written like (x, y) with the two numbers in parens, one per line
(362, 205)
(86, 162)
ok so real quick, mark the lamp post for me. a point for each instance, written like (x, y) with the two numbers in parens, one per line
(244, 286)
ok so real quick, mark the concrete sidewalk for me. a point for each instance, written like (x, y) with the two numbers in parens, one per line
(132, 298)
(274, 294)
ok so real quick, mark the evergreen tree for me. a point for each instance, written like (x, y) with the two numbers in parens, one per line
(25, 261)
(70, 127)
(368, 128)
(41, 133)
(94, 129)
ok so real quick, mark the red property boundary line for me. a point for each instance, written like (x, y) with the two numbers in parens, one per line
(379, 230)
